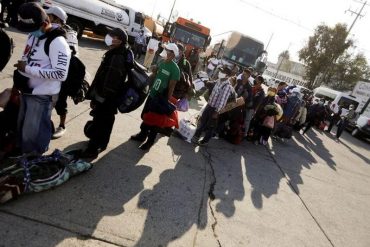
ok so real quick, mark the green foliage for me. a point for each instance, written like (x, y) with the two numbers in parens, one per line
(323, 49)
(348, 70)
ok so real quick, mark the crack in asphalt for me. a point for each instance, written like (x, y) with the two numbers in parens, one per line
(297, 193)
(208, 157)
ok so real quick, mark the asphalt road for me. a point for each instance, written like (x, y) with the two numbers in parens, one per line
(307, 191)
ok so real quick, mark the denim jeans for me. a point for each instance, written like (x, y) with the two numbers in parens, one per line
(34, 123)
(247, 120)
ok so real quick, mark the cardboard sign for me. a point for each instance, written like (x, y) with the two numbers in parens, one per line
(229, 106)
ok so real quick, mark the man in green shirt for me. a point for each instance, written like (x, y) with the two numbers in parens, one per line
(166, 77)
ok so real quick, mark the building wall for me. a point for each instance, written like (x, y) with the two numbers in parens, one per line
(293, 76)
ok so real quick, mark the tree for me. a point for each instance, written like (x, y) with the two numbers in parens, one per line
(322, 50)
(348, 70)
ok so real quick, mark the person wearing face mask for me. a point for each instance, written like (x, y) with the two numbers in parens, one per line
(165, 78)
(183, 86)
(140, 43)
(217, 101)
(105, 89)
(58, 17)
(42, 73)
(264, 118)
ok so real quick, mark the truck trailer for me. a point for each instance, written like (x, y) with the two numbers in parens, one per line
(97, 15)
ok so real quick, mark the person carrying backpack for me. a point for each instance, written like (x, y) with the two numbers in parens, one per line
(106, 89)
(59, 17)
(41, 74)
(186, 78)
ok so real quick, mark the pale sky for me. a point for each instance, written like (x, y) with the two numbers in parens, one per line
(290, 21)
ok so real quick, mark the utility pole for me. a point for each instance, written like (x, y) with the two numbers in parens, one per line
(358, 14)
(268, 43)
(173, 5)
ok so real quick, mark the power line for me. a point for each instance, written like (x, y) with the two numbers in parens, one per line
(276, 15)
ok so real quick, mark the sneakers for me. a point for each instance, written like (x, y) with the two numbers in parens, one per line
(89, 153)
(138, 137)
(202, 143)
(146, 146)
(195, 140)
(59, 132)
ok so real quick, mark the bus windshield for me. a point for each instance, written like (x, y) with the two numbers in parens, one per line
(245, 51)
(187, 36)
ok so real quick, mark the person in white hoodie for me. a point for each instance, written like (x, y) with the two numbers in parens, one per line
(44, 67)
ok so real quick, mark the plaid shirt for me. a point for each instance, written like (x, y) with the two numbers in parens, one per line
(220, 94)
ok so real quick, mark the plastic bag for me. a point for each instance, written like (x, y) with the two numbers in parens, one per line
(183, 105)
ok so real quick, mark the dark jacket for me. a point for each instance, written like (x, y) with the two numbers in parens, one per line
(112, 74)
(245, 91)
(184, 84)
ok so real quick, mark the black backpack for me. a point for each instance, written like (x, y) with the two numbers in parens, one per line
(76, 86)
(135, 89)
(183, 85)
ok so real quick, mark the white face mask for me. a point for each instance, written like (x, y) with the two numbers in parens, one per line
(108, 40)
(221, 75)
(163, 54)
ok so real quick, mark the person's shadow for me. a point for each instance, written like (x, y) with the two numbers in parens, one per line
(316, 145)
(262, 174)
(81, 203)
(227, 165)
(178, 201)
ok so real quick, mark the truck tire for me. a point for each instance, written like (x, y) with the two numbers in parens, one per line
(76, 25)
(356, 132)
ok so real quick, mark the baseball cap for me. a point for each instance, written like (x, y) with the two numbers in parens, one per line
(58, 12)
(172, 47)
(30, 17)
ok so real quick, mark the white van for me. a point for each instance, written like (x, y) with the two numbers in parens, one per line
(96, 15)
(337, 98)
